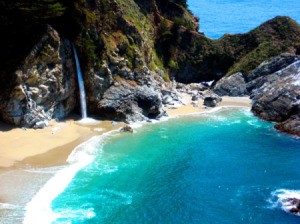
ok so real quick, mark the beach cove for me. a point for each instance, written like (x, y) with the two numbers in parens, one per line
(22, 158)
(172, 136)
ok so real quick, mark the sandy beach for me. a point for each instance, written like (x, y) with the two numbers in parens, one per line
(52, 145)
(22, 151)
(49, 146)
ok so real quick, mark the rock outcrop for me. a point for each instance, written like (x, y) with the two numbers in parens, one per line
(127, 128)
(291, 125)
(274, 88)
(211, 99)
(44, 84)
(234, 85)
(130, 103)
(278, 98)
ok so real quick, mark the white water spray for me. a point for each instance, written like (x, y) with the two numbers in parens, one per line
(81, 86)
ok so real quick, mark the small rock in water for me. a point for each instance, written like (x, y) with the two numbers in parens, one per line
(126, 128)
(294, 204)
(287, 200)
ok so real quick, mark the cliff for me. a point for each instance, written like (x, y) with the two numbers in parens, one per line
(129, 51)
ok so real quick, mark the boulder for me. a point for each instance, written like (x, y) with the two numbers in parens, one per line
(233, 85)
(198, 87)
(126, 128)
(291, 125)
(167, 99)
(211, 99)
(293, 205)
(149, 101)
(127, 103)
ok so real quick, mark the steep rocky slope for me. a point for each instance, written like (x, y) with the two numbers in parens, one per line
(129, 50)
(44, 84)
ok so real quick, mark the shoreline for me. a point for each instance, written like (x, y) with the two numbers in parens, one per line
(55, 143)
(70, 136)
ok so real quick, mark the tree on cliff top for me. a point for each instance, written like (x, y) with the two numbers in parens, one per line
(181, 2)
(41, 9)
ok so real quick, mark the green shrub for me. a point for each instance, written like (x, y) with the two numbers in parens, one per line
(166, 77)
(173, 65)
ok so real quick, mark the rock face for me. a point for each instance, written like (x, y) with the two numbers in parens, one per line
(234, 85)
(130, 103)
(44, 84)
(278, 99)
(291, 125)
(274, 88)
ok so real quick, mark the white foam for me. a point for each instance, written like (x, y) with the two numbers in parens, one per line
(209, 83)
(88, 121)
(279, 198)
(122, 197)
(38, 210)
(78, 214)
(6, 206)
(254, 123)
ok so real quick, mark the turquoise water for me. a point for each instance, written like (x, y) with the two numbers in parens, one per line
(218, 17)
(222, 167)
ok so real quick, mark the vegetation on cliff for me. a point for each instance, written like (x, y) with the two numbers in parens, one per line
(160, 34)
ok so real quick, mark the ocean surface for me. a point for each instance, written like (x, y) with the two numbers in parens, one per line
(221, 167)
(218, 17)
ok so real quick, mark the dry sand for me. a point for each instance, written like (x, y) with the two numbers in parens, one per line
(46, 147)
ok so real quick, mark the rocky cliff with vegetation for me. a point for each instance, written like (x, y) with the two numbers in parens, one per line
(274, 87)
(129, 51)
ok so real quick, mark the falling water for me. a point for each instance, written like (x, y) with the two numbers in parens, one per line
(81, 86)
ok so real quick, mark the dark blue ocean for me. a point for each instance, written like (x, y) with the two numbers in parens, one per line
(218, 17)
(223, 167)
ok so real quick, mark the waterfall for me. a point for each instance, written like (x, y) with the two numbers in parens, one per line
(81, 86)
